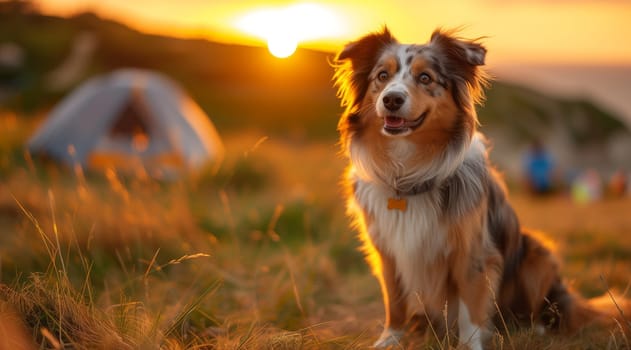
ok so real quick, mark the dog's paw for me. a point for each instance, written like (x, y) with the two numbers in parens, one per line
(389, 337)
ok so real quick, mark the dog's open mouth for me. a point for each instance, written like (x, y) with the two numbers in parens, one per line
(397, 125)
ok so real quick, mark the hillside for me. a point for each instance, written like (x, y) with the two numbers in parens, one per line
(578, 133)
(246, 88)
(238, 86)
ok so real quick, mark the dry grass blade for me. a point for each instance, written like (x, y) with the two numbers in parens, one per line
(499, 312)
(294, 287)
(190, 307)
(48, 244)
(278, 211)
(182, 259)
(623, 334)
(51, 200)
(151, 263)
(50, 338)
(247, 337)
(618, 308)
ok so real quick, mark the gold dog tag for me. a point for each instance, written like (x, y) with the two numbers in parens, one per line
(397, 203)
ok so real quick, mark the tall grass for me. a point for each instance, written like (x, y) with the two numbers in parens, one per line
(76, 271)
(258, 256)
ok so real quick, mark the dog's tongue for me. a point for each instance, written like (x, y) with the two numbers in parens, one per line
(394, 122)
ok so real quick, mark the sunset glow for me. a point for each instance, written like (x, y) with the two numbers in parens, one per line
(569, 31)
(285, 27)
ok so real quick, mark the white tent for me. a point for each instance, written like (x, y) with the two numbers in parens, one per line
(129, 120)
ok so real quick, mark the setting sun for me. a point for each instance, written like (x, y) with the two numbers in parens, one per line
(284, 28)
(281, 46)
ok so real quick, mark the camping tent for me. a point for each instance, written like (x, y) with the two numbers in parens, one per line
(129, 120)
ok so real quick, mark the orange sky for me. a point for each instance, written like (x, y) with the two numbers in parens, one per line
(529, 31)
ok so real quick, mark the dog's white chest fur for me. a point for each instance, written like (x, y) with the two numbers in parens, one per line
(417, 238)
(414, 238)
(395, 231)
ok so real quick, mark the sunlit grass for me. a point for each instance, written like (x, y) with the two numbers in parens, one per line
(258, 256)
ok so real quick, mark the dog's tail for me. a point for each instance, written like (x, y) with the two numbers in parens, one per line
(533, 286)
(569, 312)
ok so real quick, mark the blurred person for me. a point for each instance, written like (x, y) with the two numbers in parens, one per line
(539, 169)
(587, 187)
(617, 186)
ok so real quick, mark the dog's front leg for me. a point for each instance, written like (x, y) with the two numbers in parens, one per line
(394, 302)
(469, 332)
(477, 288)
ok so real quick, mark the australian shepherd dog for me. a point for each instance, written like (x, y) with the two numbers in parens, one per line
(438, 232)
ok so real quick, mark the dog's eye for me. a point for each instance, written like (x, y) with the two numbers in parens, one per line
(424, 78)
(383, 75)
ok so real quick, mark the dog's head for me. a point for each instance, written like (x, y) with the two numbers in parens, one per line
(427, 91)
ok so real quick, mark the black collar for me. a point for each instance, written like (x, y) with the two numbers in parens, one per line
(416, 189)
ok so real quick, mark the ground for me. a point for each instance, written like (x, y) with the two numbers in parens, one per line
(259, 255)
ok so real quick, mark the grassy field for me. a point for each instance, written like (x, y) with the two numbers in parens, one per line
(258, 256)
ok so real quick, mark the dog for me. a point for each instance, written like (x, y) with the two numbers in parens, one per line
(432, 212)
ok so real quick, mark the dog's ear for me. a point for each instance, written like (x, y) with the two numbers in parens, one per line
(368, 46)
(355, 62)
(469, 51)
(460, 60)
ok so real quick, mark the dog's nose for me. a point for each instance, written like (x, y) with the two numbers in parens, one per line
(394, 100)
